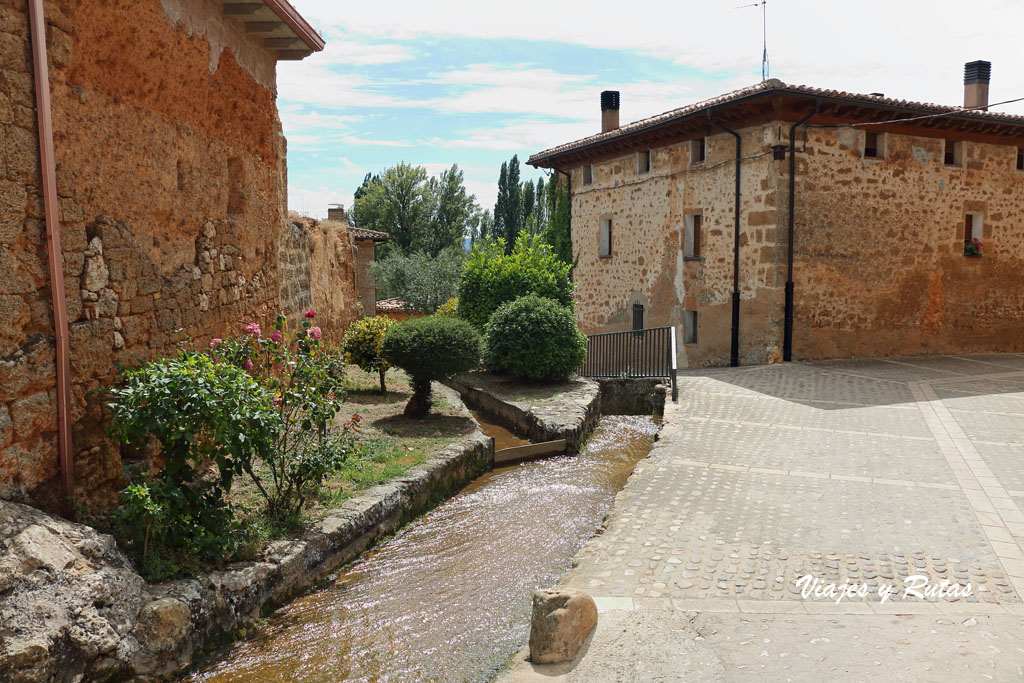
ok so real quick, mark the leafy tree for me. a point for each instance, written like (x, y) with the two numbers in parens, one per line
(541, 205)
(491, 277)
(452, 211)
(361, 345)
(422, 282)
(429, 349)
(508, 210)
(361, 191)
(483, 229)
(556, 233)
(528, 205)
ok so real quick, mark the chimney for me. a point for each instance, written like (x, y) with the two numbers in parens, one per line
(609, 110)
(976, 77)
(336, 212)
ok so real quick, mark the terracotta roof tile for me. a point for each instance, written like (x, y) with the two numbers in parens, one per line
(364, 234)
(773, 85)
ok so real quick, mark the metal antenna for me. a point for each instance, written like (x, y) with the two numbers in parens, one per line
(765, 69)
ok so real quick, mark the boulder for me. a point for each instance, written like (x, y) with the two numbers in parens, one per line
(562, 620)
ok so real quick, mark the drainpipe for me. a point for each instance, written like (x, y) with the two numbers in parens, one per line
(37, 30)
(734, 352)
(787, 334)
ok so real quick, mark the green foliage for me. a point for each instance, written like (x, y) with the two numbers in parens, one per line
(420, 213)
(556, 231)
(361, 345)
(421, 281)
(449, 309)
(534, 338)
(491, 277)
(429, 349)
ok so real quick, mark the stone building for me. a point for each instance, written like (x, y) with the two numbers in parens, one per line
(858, 206)
(165, 182)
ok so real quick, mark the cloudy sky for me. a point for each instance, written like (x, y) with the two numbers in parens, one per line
(436, 83)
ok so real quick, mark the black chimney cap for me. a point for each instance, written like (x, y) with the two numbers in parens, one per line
(977, 72)
(609, 99)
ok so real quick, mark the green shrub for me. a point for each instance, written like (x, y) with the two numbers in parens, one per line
(361, 345)
(422, 281)
(449, 309)
(430, 349)
(534, 338)
(492, 278)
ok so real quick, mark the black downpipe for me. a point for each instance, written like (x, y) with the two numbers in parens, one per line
(734, 352)
(787, 334)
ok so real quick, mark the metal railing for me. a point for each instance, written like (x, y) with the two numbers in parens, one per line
(636, 353)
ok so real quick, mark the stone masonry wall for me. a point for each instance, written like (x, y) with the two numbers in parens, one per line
(171, 176)
(366, 288)
(647, 264)
(879, 263)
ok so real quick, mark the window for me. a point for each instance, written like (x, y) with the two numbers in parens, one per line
(953, 153)
(588, 174)
(689, 327)
(643, 162)
(698, 151)
(874, 145)
(973, 225)
(1020, 158)
(638, 317)
(691, 237)
(606, 237)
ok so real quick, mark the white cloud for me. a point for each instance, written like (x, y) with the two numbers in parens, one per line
(341, 49)
(354, 140)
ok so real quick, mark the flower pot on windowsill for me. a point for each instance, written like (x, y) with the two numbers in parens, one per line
(973, 248)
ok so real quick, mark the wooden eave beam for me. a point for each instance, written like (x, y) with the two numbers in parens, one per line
(262, 26)
(281, 43)
(243, 9)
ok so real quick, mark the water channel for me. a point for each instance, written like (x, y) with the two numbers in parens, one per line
(447, 599)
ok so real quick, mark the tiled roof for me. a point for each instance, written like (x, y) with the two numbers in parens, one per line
(364, 234)
(393, 304)
(775, 86)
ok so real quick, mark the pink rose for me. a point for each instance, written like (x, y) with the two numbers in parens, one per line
(276, 336)
(277, 401)
(253, 329)
(215, 342)
(247, 364)
(310, 313)
(315, 332)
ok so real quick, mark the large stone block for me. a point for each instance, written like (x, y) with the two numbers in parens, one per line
(562, 620)
(33, 414)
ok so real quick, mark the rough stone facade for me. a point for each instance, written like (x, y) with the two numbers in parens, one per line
(171, 178)
(879, 262)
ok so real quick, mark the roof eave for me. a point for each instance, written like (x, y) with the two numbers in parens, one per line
(291, 17)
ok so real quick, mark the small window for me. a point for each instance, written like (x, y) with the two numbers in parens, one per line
(588, 174)
(689, 327)
(643, 162)
(638, 317)
(606, 237)
(691, 238)
(1020, 158)
(953, 153)
(874, 145)
(698, 151)
(973, 226)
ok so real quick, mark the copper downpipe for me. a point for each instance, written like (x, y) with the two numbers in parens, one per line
(37, 29)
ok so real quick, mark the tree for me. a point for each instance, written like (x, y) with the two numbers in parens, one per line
(482, 229)
(361, 191)
(540, 210)
(556, 233)
(528, 204)
(422, 282)
(508, 210)
(361, 345)
(452, 211)
(395, 204)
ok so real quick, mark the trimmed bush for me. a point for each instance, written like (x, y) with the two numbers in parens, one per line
(361, 345)
(492, 278)
(430, 349)
(534, 338)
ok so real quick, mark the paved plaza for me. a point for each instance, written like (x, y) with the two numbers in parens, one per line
(864, 472)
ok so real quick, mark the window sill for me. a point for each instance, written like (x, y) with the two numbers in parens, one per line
(873, 160)
(693, 258)
(605, 257)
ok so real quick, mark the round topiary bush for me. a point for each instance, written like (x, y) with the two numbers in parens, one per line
(429, 349)
(362, 342)
(534, 338)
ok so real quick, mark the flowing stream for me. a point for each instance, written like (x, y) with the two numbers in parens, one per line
(447, 599)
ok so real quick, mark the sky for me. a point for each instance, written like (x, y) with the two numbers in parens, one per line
(472, 83)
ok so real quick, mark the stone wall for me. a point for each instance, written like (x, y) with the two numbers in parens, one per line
(879, 261)
(647, 264)
(366, 286)
(171, 177)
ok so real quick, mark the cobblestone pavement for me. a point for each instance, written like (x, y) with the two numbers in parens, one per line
(864, 471)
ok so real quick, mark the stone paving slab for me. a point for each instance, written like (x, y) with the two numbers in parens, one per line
(864, 472)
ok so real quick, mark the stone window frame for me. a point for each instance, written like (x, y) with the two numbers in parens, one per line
(959, 152)
(606, 219)
(977, 229)
(650, 161)
(1019, 165)
(881, 146)
(587, 173)
(691, 324)
(698, 151)
(693, 221)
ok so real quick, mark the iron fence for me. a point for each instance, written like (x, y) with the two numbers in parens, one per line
(636, 353)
